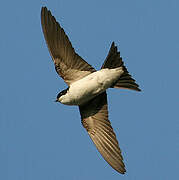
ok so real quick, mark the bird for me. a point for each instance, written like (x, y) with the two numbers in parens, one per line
(87, 87)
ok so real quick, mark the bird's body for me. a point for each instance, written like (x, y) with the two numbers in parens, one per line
(87, 87)
(90, 86)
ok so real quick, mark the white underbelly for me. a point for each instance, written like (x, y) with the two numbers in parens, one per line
(90, 86)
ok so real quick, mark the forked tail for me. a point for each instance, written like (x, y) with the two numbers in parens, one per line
(113, 60)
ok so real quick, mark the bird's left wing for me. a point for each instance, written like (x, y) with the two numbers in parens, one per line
(94, 115)
(68, 64)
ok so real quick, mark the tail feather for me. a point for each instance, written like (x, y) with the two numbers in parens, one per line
(113, 60)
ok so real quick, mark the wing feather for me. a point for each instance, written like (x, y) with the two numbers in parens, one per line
(68, 64)
(94, 116)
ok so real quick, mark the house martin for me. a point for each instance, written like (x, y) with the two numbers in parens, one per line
(87, 87)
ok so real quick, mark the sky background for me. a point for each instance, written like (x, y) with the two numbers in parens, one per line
(44, 140)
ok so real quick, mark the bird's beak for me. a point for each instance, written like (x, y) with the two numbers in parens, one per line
(56, 100)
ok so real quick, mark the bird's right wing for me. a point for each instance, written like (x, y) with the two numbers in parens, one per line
(68, 64)
(94, 115)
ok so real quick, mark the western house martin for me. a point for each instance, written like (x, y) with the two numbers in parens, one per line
(87, 87)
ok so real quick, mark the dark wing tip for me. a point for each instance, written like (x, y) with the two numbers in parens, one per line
(43, 9)
(121, 170)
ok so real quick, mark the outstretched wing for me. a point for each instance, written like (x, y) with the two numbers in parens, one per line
(94, 116)
(68, 64)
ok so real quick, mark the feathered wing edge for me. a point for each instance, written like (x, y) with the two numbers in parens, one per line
(94, 116)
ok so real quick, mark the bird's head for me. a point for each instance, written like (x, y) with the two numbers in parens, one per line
(61, 95)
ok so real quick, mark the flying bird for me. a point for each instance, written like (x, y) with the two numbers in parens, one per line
(87, 87)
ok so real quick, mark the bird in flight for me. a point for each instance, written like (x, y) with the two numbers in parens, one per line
(87, 87)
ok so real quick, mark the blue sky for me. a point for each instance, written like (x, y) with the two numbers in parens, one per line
(41, 139)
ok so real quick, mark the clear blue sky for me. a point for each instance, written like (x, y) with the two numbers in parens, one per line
(44, 140)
